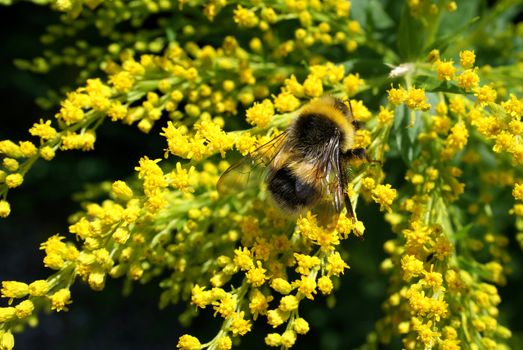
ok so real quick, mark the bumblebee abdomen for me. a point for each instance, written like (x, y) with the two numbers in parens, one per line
(289, 191)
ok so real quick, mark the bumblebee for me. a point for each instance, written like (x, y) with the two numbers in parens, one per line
(308, 165)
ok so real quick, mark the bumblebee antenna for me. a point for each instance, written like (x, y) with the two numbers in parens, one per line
(350, 107)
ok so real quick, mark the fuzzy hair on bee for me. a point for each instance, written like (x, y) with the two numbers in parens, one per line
(308, 165)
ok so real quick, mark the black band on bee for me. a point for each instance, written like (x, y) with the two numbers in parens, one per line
(314, 129)
(289, 191)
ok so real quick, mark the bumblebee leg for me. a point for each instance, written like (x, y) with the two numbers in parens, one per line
(344, 179)
(348, 206)
(359, 153)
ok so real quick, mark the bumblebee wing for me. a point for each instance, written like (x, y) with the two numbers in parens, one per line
(331, 180)
(250, 169)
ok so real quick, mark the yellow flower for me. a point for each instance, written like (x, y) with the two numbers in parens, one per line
(38, 288)
(288, 303)
(121, 190)
(286, 102)
(313, 86)
(359, 111)
(352, 84)
(276, 317)
(122, 81)
(224, 343)
(469, 79)
(416, 99)
(256, 275)
(467, 58)
(385, 116)
(336, 265)
(7, 314)
(245, 17)
(301, 326)
(384, 195)
(243, 259)
(188, 342)
(288, 338)
(14, 289)
(14, 180)
(325, 285)
(306, 263)
(5, 209)
(397, 96)
(513, 106)
(24, 309)
(44, 130)
(485, 94)
(84, 142)
(273, 339)
(411, 267)
(446, 70)
(239, 325)
(28, 149)
(70, 113)
(281, 286)
(517, 192)
(60, 299)
(307, 287)
(182, 179)
(258, 303)
(225, 306)
(7, 341)
(260, 114)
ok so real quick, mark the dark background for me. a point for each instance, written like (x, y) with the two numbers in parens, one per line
(108, 320)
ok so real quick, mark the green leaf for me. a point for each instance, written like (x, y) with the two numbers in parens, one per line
(405, 133)
(410, 36)
(371, 14)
